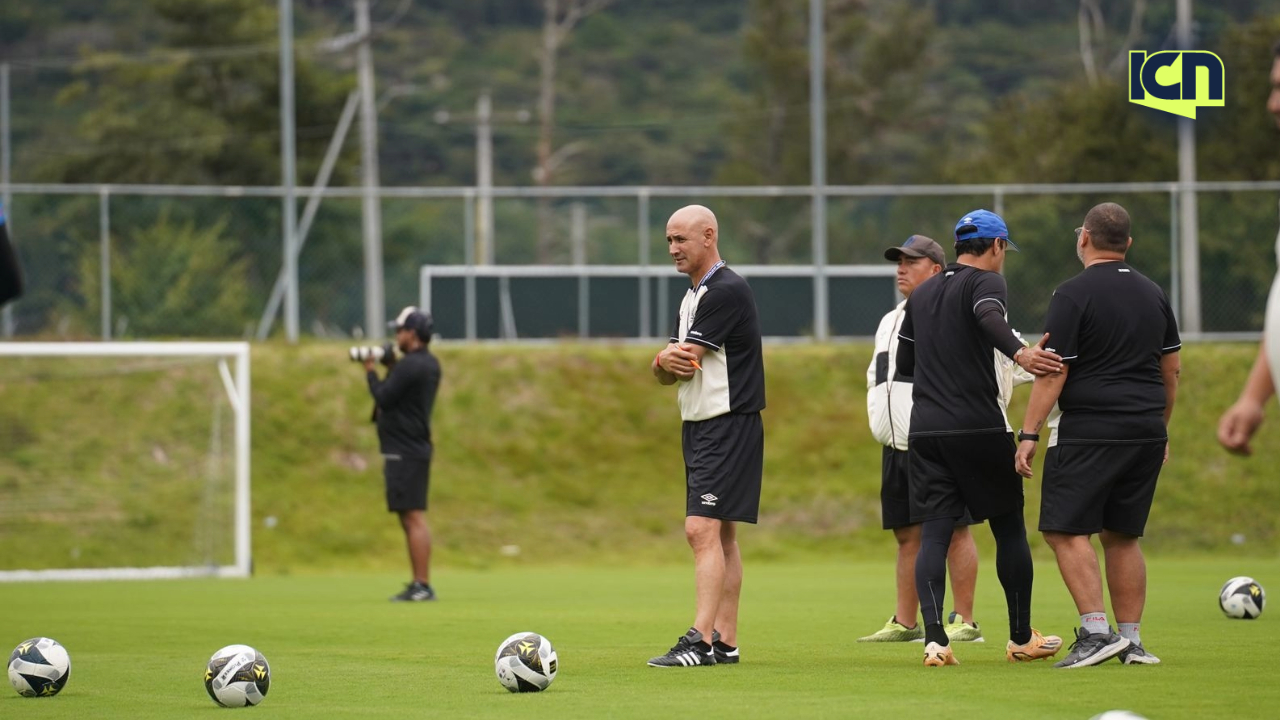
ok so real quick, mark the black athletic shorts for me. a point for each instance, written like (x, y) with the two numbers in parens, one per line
(407, 479)
(723, 465)
(895, 491)
(1088, 488)
(949, 473)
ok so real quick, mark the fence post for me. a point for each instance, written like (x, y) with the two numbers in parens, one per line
(469, 253)
(642, 232)
(104, 234)
(1175, 259)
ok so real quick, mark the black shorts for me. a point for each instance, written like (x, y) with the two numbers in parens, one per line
(1088, 488)
(406, 479)
(895, 491)
(723, 465)
(952, 473)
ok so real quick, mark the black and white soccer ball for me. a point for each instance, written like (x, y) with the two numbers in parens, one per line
(39, 667)
(525, 662)
(1242, 598)
(237, 676)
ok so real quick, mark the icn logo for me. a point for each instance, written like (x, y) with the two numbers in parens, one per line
(1176, 81)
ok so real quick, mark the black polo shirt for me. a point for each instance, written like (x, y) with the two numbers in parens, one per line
(719, 313)
(1111, 325)
(404, 402)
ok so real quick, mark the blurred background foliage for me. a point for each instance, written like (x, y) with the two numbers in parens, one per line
(647, 92)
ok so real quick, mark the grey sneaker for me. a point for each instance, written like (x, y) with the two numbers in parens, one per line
(725, 654)
(1135, 654)
(1093, 648)
(415, 592)
(689, 651)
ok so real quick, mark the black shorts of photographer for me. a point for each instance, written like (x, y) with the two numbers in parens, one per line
(403, 401)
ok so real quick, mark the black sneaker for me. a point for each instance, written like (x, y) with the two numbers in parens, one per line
(1093, 648)
(1135, 654)
(414, 592)
(689, 651)
(725, 654)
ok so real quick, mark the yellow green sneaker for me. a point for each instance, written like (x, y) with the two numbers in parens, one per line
(960, 631)
(894, 631)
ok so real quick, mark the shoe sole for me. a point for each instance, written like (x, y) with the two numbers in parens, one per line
(890, 640)
(1148, 661)
(1106, 653)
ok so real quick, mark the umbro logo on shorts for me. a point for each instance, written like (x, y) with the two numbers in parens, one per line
(709, 499)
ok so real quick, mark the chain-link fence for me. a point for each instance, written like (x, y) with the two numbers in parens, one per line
(134, 262)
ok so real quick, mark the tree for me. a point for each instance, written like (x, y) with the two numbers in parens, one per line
(559, 19)
(173, 279)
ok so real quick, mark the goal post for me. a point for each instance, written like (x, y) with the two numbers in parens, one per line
(129, 493)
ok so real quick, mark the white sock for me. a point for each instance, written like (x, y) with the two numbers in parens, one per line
(1095, 623)
(1129, 631)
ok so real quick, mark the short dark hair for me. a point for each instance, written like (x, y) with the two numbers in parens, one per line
(1108, 226)
(976, 246)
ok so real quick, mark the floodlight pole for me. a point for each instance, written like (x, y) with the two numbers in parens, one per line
(374, 297)
(1190, 213)
(818, 165)
(288, 168)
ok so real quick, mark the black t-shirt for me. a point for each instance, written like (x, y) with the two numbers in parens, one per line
(404, 401)
(955, 387)
(1111, 325)
(720, 314)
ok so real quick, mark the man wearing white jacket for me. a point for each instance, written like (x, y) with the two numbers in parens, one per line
(889, 413)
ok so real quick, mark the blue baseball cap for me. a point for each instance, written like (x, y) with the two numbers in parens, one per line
(983, 224)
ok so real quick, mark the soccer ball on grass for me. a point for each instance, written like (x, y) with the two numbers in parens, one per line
(237, 676)
(525, 662)
(39, 667)
(1242, 598)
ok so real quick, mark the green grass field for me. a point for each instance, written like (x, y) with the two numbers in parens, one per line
(338, 649)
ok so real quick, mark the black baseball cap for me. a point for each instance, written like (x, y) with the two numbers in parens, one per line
(917, 246)
(411, 318)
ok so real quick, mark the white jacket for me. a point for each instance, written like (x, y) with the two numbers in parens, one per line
(889, 400)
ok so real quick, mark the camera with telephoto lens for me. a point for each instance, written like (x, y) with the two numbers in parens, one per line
(385, 354)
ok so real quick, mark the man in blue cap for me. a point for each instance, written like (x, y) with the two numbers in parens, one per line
(961, 444)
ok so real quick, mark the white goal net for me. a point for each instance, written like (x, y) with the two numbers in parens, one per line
(124, 460)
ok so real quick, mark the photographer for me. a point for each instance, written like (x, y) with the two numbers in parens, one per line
(403, 402)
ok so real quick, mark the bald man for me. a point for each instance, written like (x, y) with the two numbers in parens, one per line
(714, 355)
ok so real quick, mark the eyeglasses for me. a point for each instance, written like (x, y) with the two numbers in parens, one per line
(1078, 231)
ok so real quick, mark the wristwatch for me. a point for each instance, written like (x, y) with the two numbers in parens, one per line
(1033, 437)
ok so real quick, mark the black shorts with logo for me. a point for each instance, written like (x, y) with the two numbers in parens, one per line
(723, 466)
(1105, 486)
(952, 473)
(895, 491)
(407, 479)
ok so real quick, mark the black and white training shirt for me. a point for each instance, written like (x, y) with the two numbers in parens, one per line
(1111, 325)
(948, 352)
(719, 313)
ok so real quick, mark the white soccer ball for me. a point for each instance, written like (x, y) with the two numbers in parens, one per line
(1118, 715)
(237, 676)
(1242, 598)
(525, 662)
(39, 667)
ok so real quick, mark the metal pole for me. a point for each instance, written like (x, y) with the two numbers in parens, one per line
(578, 239)
(309, 212)
(484, 179)
(104, 235)
(642, 200)
(1175, 264)
(374, 302)
(997, 204)
(818, 165)
(6, 317)
(288, 168)
(469, 253)
(1190, 215)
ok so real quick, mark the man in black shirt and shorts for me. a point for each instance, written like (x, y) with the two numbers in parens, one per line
(404, 401)
(960, 441)
(1119, 344)
(715, 356)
